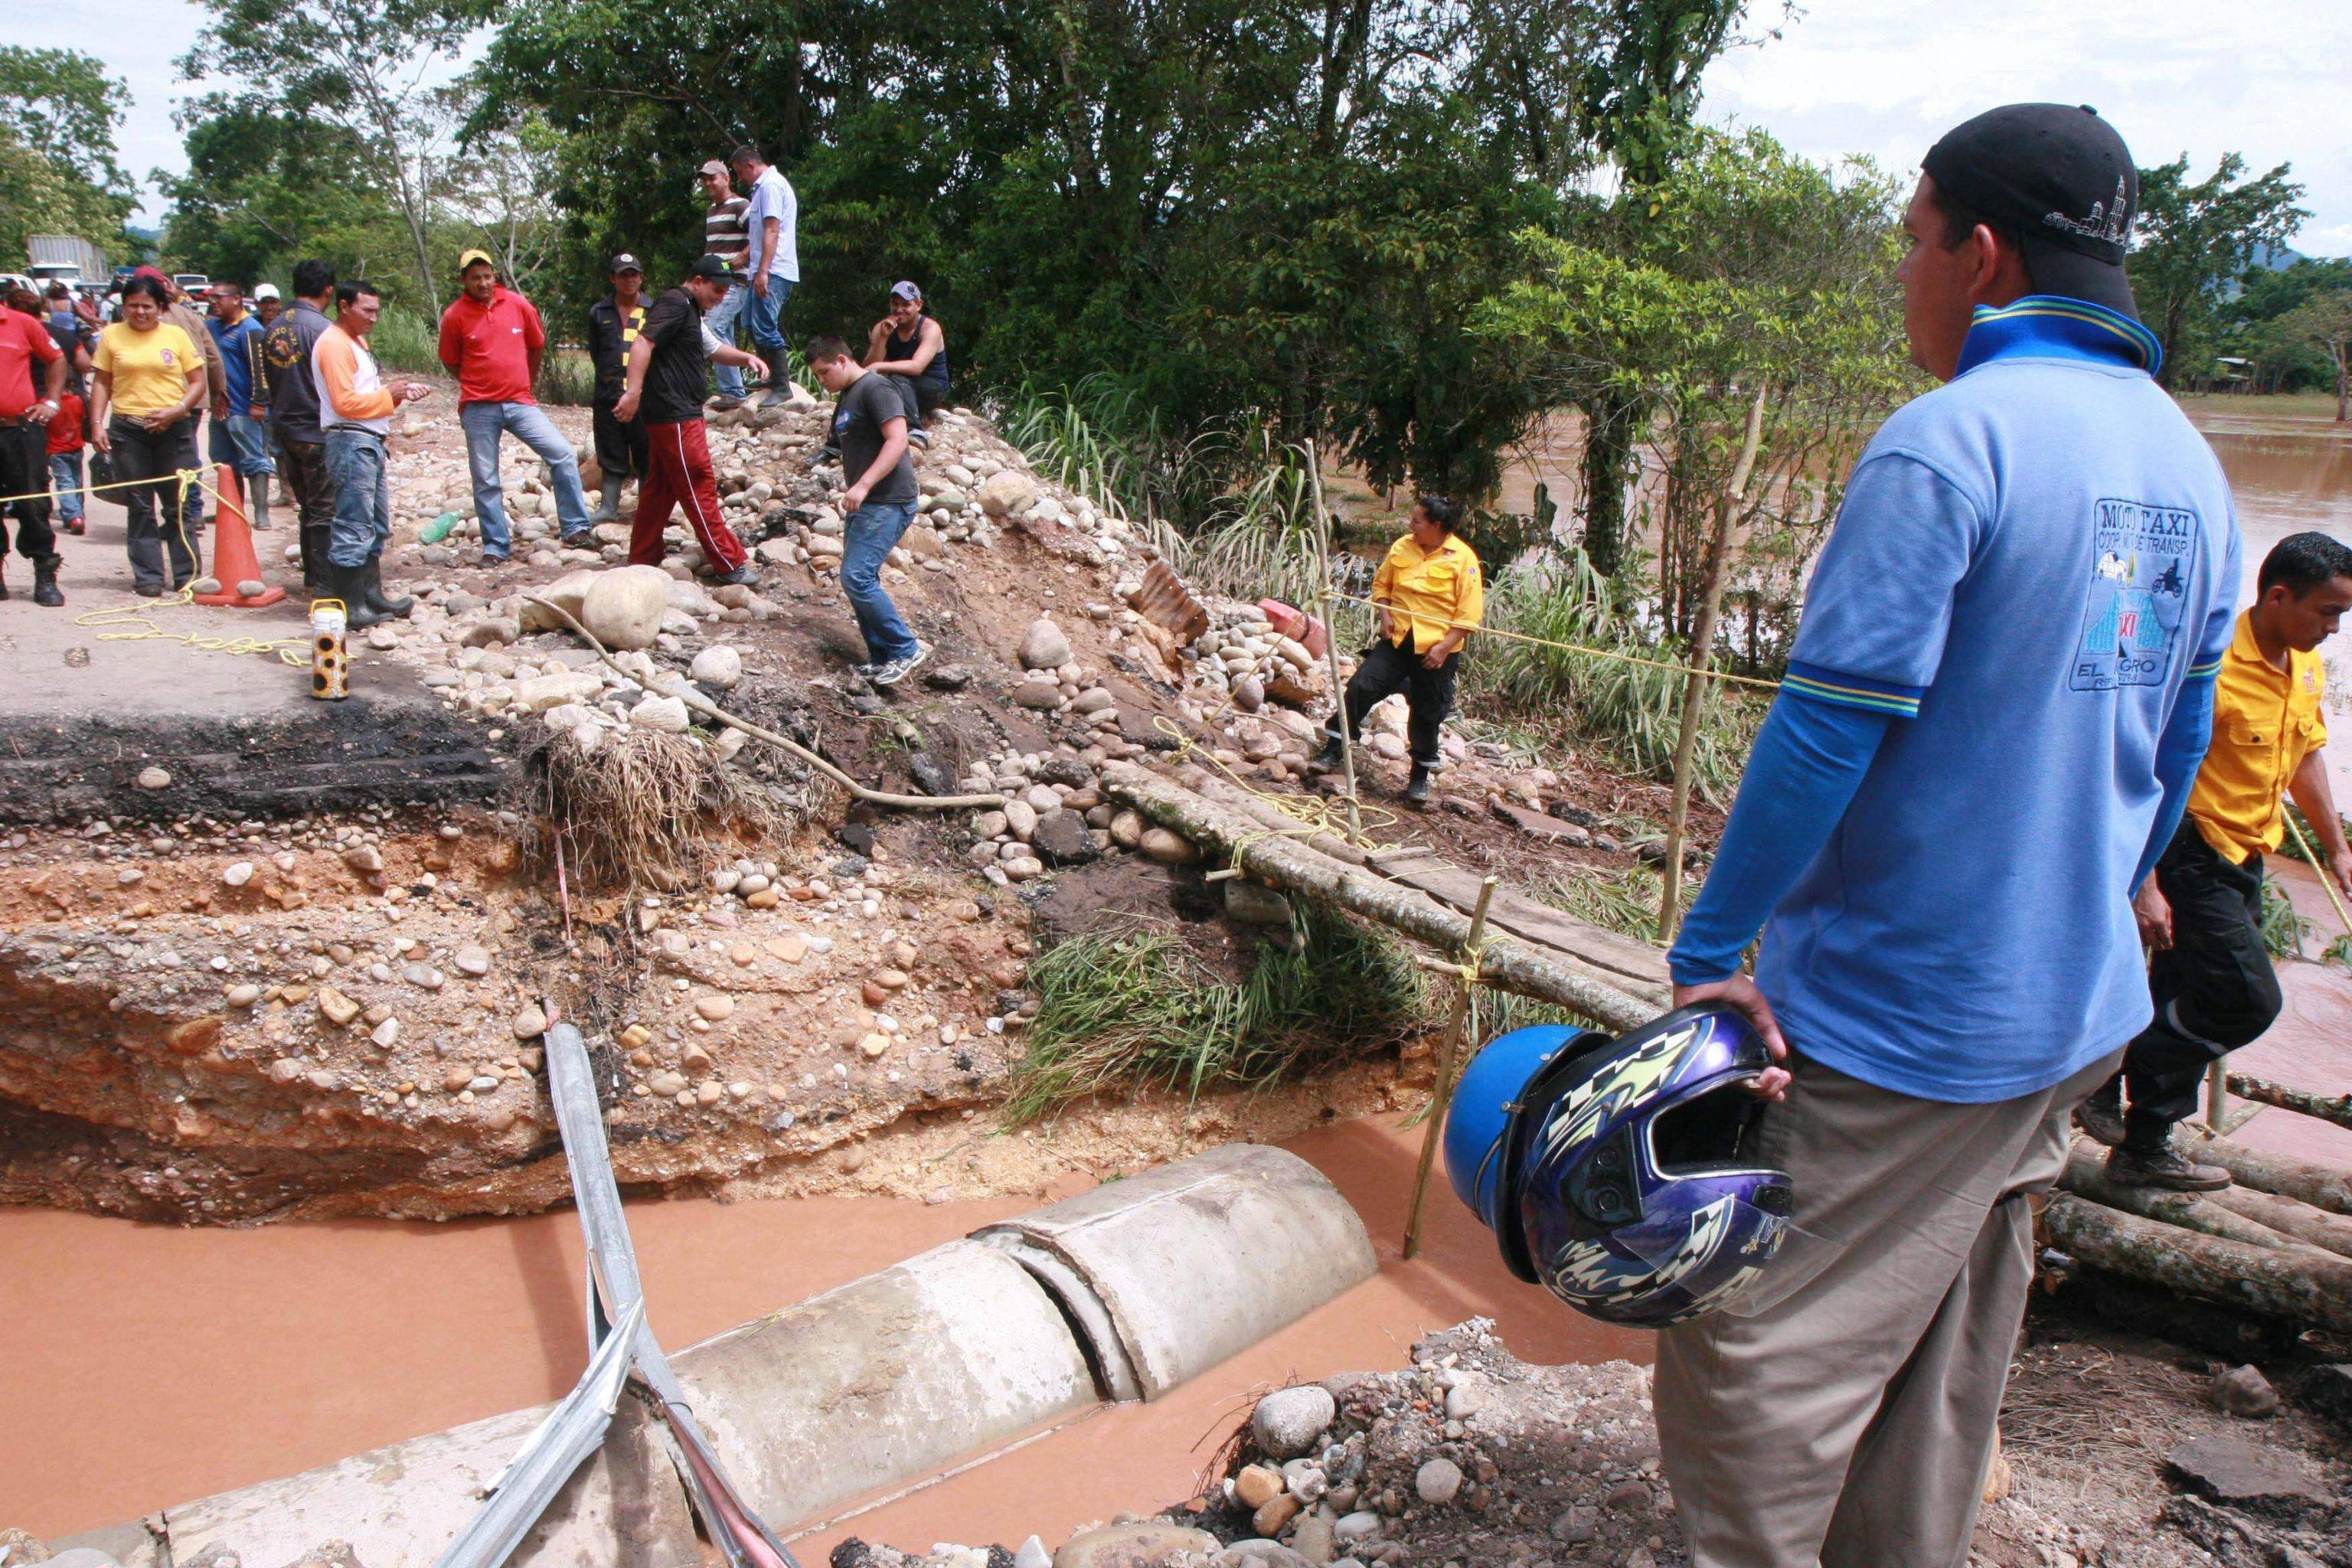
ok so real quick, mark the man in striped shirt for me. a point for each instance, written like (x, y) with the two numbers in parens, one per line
(726, 236)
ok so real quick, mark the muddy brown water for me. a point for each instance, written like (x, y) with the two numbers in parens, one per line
(149, 1365)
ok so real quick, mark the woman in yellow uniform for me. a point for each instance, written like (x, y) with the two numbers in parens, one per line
(147, 381)
(1426, 596)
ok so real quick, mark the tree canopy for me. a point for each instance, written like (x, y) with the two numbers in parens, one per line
(60, 112)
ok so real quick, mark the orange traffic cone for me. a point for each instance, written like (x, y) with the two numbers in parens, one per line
(233, 557)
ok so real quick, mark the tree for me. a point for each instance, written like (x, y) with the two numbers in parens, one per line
(2325, 320)
(60, 112)
(367, 72)
(2193, 238)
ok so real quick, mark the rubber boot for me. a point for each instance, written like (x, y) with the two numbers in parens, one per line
(45, 581)
(609, 509)
(258, 491)
(349, 584)
(372, 589)
(4, 573)
(1416, 789)
(314, 537)
(779, 389)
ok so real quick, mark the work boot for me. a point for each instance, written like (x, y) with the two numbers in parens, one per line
(259, 487)
(2166, 1168)
(2102, 1115)
(45, 581)
(371, 590)
(349, 584)
(1328, 758)
(608, 510)
(1416, 788)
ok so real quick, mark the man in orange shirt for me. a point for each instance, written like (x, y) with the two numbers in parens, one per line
(492, 340)
(355, 412)
(2202, 910)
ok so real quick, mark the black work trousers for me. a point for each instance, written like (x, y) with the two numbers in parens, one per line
(1388, 668)
(157, 455)
(2214, 987)
(918, 395)
(25, 471)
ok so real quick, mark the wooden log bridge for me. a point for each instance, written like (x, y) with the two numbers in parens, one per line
(1527, 949)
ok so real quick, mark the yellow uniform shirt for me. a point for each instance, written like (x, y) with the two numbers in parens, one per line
(1430, 588)
(2265, 721)
(151, 370)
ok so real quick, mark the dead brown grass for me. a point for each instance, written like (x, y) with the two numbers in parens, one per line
(647, 809)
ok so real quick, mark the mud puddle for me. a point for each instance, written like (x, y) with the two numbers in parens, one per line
(151, 1364)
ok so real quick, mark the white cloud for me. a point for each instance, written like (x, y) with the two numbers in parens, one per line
(2264, 78)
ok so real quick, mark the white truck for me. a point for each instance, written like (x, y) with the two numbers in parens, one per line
(65, 259)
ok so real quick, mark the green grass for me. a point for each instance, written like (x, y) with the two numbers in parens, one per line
(2283, 928)
(1633, 710)
(407, 342)
(1122, 1010)
(1625, 900)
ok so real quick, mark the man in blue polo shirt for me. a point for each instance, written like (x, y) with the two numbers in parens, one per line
(1995, 706)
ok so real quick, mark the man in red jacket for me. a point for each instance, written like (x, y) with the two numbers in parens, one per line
(492, 340)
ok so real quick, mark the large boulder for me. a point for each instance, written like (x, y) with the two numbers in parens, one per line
(1043, 646)
(1006, 491)
(568, 591)
(624, 607)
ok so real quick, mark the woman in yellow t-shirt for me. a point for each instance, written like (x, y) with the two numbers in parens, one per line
(148, 380)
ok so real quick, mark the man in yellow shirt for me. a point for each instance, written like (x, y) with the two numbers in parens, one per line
(1427, 595)
(2212, 979)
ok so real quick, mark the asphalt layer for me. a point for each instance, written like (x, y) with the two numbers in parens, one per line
(85, 710)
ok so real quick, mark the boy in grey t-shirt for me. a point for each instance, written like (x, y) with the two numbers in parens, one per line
(869, 426)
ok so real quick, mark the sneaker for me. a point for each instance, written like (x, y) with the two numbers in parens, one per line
(919, 440)
(76, 525)
(1328, 759)
(2102, 1116)
(723, 404)
(489, 563)
(743, 576)
(578, 538)
(893, 671)
(1416, 789)
(2166, 1168)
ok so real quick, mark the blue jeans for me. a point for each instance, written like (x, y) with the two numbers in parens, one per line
(65, 474)
(761, 316)
(362, 524)
(484, 423)
(243, 442)
(720, 320)
(872, 532)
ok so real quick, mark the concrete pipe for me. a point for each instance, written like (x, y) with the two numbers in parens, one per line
(1195, 1261)
(1122, 1292)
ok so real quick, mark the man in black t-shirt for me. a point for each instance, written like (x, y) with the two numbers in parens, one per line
(614, 323)
(667, 380)
(869, 426)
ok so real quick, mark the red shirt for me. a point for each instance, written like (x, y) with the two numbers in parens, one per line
(64, 429)
(23, 340)
(489, 347)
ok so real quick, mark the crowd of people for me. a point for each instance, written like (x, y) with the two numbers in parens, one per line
(295, 395)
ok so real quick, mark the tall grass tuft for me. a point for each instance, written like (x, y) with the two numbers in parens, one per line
(1635, 708)
(407, 341)
(1119, 1010)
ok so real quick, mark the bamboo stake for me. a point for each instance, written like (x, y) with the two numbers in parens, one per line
(1697, 681)
(1449, 1049)
(1331, 638)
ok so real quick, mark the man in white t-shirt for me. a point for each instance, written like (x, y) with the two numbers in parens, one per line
(772, 220)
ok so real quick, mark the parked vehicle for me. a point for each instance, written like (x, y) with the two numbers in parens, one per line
(65, 259)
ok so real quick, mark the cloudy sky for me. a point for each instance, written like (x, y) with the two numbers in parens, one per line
(2265, 78)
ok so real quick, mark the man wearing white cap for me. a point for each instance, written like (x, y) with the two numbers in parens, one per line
(267, 305)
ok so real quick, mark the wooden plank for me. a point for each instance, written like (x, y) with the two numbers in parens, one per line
(1532, 921)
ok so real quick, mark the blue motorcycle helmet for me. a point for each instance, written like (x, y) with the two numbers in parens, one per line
(1616, 1171)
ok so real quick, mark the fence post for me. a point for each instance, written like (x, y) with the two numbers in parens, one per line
(1699, 676)
(1449, 1049)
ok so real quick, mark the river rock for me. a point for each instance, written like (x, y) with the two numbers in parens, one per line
(1061, 840)
(1043, 646)
(154, 778)
(542, 692)
(1020, 819)
(623, 608)
(239, 874)
(718, 1008)
(2244, 1391)
(1031, 1553)
(1437, 1481)
(528, 1024)
(1006, 491)
(335, 1007)
(1038, 696)
(665, 714)
(1170, 848)
(1255, 904)
(718, 665)
(1126, 829)
(472, 960)
(1146, 1545)
(1254, 1485)
(1287, 1421)
(567, 592)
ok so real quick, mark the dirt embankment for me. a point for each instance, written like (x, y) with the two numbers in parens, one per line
(249, 973)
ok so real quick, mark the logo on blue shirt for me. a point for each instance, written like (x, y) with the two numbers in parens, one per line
(2142, 557)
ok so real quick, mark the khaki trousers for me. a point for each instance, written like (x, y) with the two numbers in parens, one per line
(1849, 1425)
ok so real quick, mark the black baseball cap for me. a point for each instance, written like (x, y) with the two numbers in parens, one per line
(2060, 178)
(710, 267)
(624, 262)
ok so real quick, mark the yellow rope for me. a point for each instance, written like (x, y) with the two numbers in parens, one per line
(1485, 631)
